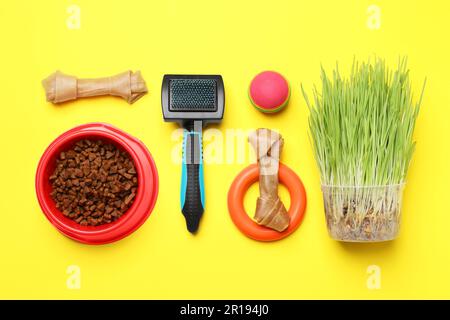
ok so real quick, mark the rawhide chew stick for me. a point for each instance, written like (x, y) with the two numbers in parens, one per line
(270, 210)
(60, 87)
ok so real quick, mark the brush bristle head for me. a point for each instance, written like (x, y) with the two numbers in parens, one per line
(198, 95)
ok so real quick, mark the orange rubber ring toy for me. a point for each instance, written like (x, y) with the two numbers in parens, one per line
(245, 224)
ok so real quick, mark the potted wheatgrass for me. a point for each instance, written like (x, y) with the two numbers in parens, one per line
(361, 128)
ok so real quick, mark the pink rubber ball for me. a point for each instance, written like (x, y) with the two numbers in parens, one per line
(269, 92)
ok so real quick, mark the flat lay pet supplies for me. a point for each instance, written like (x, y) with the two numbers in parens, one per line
(97, 184)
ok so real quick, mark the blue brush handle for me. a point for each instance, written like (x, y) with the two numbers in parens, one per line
(192, 185)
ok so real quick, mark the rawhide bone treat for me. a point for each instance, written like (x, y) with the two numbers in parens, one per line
(60, 87)
(94, 182)
(270, 210)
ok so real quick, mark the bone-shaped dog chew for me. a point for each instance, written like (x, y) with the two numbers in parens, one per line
(60, 87)
(270, 210)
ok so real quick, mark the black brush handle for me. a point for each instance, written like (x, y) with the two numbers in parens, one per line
(192, 184)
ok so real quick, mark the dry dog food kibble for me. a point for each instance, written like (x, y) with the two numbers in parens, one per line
(94, 182)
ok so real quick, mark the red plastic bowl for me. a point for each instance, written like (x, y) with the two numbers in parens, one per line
(138, 212)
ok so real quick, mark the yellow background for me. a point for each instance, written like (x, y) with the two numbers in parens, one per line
(236, 39)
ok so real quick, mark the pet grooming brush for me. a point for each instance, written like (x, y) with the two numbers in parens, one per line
(193, 101)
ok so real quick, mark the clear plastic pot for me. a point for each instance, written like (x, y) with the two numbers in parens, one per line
(363, 213)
